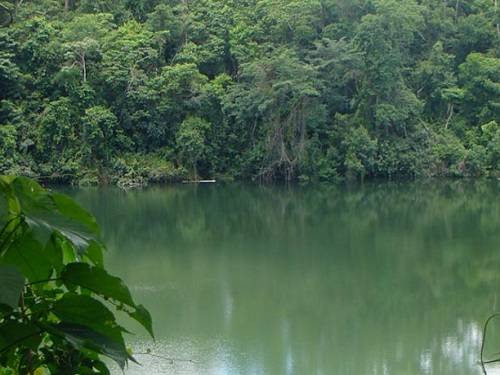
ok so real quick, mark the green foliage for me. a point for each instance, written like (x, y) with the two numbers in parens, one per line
(385, 36)
(101, 135)
(451, 155)
(139, 170)
(191, 139)
(87, 86)
(8, 143)
(436, 82)
(280, 100)
(480, 75)
(56, 299)
(58, 133)
(360, 152)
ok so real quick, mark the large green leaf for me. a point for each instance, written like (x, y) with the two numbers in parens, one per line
(46, 212)
(11, 285)
(98, 281)
(52, 232)
(83, 337)
(3, 207)
(85, 310)
(143, 316)
(102, 283)
(12, 204)
(70, 210)
(95, 253)
(54, 251)
(28, 255)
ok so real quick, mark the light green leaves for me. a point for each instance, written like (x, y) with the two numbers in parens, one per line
(29, 257)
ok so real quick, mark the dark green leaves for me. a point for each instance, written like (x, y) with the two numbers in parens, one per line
(98, 281)
(45, 213)
(86, 311)
(86, 322)
(49, 241)
(83, 337)
(14, 334)
(142, 316)
(11, 286)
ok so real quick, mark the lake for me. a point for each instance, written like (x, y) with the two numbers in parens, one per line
(376, 279)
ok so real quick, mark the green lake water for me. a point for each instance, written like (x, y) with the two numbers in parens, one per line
(377, 279)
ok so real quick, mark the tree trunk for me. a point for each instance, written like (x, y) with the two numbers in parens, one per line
(450, 115)
(84, 68)
(68, 5)
(496, 13)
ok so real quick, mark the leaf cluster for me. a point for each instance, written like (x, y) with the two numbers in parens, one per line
(58, 304)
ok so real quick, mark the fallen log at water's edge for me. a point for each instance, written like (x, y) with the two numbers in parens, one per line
(199, 182)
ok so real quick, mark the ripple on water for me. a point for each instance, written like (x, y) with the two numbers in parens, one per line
(182, 358)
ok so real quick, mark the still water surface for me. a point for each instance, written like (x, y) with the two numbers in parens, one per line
(379, 279)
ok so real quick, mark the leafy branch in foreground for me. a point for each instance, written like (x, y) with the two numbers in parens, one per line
(483, 344)
(57, 302)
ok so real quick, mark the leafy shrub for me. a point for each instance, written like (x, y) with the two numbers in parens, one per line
(57, 301)
(191, 142)
(140, 170)
(450, 155)
(360, 153)
(8, 141)
(476, 161)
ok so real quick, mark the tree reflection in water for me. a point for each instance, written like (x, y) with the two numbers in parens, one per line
(383, 278)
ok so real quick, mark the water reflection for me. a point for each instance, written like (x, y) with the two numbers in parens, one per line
(384, 278)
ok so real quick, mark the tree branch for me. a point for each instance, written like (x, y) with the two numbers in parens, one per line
(483, 343)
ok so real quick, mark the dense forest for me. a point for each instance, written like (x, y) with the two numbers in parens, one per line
(139, 91)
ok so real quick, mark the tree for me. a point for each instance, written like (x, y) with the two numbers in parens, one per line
(68, 5)
(191, 142)
(283, 83)
(385, 37)
(360, 151)
(480, 76)
(83, 39)
(8, 147)
(131, 53)
(434, 80)
(339, 66)
(10, 73)
(157, 108)
(474, 34)
(278, 98)
(118, 8)
(100, 135)
(58, 130)
(290, 21)
(7, 9)
(170, 22)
